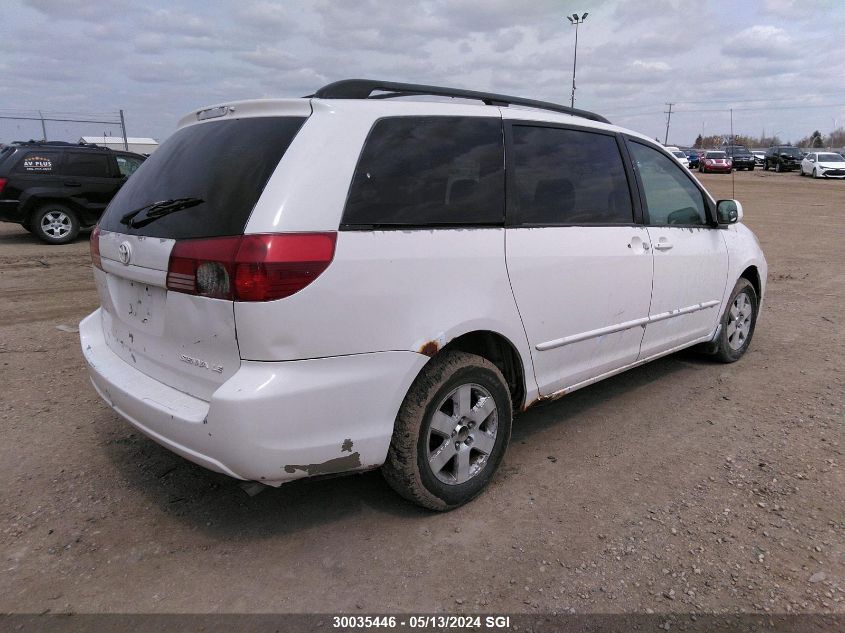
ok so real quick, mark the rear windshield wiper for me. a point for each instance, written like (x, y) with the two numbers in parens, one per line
(159, 209)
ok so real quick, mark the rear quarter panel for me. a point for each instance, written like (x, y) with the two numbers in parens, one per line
(411, 290)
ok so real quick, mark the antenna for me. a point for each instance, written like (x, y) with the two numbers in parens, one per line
(733, 151)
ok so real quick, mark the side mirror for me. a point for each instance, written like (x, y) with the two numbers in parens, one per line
(728, 211)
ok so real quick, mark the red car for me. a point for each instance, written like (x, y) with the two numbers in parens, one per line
(715, 162)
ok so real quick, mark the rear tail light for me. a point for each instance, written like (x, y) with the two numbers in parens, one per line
(95, 248)
(249, 267)
(3, 182)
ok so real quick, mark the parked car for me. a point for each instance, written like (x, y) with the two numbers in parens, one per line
(740, 157)
(692, 156)
(54, 189)
(293, 317)
(823, 165)
(715, 161)
(759, 157)
(681, 156)
(782, 158)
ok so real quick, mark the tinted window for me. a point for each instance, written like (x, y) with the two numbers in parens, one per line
(38, 162)
(569, 177)
(224, 163)
(127, 165)
(671, 196)
(417, 171)
(86, 164)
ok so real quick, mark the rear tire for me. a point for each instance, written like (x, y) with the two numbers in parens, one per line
(55, 223)
(751, 168)
(738, 323)
(448, 439)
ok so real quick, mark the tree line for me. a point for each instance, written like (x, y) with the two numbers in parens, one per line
(815, 140)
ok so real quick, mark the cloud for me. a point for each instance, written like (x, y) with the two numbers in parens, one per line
(761, 41)
(161, 58)
(660, 67)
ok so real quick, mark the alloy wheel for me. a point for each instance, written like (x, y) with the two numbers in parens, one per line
(739, 321)
(462, 434)
(56, 224)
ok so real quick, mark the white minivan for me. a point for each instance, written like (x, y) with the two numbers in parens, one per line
(353, 280)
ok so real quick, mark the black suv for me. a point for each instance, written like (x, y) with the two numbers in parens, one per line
(53, 189)
(741, 157)
(782, 158)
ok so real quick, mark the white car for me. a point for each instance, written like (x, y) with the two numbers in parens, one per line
(759, 158)
(302, 287)
(681, 156)
(823, 165)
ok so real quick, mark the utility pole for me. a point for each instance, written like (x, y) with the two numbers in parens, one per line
(43, 126)
(123, 128)
(668, 119)
(574, 19)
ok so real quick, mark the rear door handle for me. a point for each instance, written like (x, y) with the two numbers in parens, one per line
(663, 244)
(72, 183)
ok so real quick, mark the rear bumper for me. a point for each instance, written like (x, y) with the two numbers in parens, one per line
(270, 422)
(11, 211)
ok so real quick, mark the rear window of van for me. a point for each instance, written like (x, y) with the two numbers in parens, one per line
(223, 164)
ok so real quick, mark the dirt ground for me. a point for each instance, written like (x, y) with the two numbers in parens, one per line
(683, 485)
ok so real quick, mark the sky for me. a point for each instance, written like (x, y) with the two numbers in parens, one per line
(778, 63)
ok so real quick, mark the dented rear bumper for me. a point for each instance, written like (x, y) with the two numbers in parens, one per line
(271, 421)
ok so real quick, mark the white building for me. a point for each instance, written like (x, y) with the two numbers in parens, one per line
(136, 144)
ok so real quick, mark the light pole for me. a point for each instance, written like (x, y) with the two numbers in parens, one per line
(574, 19)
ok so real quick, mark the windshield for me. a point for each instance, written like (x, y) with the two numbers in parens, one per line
(715, 155)
(680, 154)
(831, 158)
(790, 151)
(211, 173)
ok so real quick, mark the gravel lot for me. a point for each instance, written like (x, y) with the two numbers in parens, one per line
(679, 486)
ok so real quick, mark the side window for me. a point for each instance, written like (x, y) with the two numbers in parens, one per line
(569, 177)
(671, 197)
(418, 171)
(86, 164)
(127, 165)
(38, 163)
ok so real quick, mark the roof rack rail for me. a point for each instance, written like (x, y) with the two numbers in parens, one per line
(363, 89)
(54, 143)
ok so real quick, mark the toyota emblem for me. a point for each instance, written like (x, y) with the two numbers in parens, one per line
(124, 252)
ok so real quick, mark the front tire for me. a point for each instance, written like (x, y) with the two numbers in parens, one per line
(815, 173)
(451, 432)
(55, 223)
(778, 168)
(738, 323)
